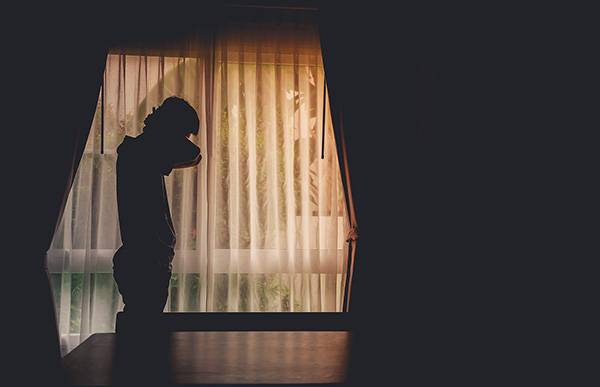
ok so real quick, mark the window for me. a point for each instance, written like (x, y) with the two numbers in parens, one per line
(260, 223)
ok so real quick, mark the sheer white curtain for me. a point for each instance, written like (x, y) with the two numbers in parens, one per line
(260, 223)
(278, 220)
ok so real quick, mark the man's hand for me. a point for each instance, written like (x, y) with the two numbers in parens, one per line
(187, 154)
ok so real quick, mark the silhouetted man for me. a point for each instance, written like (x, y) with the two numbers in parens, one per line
(142, 266)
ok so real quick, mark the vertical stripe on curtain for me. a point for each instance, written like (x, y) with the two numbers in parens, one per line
(261, 223)
(280, 220)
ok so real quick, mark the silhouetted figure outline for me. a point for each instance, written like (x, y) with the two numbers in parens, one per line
(142, 266)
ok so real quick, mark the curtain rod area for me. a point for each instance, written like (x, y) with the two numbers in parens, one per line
(291, 5)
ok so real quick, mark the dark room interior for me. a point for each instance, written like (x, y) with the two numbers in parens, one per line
(467, 131)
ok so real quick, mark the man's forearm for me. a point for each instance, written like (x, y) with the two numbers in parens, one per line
(188, 155)
(188, 163)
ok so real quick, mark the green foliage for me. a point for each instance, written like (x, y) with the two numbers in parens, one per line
(83, 291)
(304, 149)
(266, 292)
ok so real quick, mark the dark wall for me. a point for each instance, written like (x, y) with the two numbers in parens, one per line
(53, 72)
(458, 124)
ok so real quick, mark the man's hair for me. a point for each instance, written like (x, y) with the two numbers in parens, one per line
(175, 115)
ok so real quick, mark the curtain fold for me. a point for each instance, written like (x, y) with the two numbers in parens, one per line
(335, 68)
(261, 223)
(55, 110)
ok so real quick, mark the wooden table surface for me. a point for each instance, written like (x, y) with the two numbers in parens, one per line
(212, 358)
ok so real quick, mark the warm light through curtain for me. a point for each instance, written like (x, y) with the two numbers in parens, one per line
(278, 218)
(261, 222)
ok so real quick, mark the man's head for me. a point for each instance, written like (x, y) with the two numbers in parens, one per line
(174, 118)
